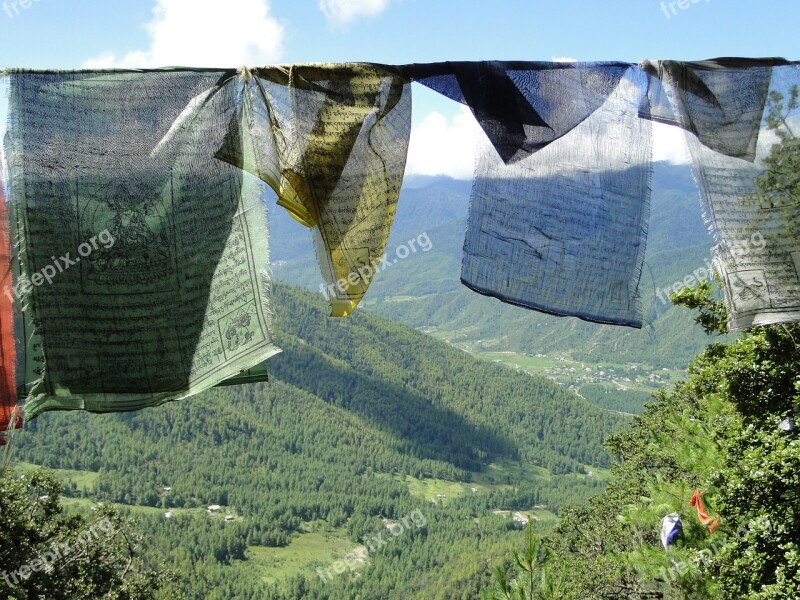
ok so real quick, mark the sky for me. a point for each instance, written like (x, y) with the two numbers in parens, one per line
(70, 34)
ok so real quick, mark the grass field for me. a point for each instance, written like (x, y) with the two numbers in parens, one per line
(625, 387)
(303, 555)
(83, 480)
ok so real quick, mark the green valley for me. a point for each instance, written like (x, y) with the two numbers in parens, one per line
(363, 423)
(384, 459)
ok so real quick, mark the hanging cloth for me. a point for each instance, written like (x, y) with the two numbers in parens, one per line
(523, 106)
(703, 516)
(10, 416)
(722, 104)
(671, 528)
(142, 262)
(332, 140)
(563, 230)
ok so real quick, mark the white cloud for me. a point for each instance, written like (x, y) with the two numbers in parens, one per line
(442, 147)
(342, 12)
(669, 144)
(564, 59)
(204, 33)
(447, 147)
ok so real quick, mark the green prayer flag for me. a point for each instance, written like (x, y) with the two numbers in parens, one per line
(142, 259)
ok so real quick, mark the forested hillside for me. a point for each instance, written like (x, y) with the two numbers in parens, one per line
(362, 420)
(727, 436)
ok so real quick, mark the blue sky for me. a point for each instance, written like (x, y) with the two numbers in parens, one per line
(78, 33)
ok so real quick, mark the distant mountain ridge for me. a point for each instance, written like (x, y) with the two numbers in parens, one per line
(424, 289)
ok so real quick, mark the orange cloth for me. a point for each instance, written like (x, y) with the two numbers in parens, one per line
(704, 517)
(8, 394)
